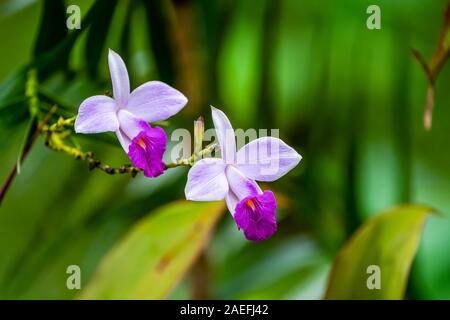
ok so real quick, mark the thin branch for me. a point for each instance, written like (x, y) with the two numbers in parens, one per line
(423, 63)
(432, 69)
(189, 162)
(55, 139)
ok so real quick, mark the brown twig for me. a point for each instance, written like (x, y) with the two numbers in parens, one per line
(432, 69)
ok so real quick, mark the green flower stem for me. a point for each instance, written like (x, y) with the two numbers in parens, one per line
(189, 162)
(56, 135)
(61, 123)
(31, 92)
(55, 138)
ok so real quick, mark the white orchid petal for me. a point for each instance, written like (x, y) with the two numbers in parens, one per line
(225, 135)
(266, 159)
(119, 78)
(241, 185)
(124, 140)
(207, 181)
(155, 101)
(232, 200)
(97, 114)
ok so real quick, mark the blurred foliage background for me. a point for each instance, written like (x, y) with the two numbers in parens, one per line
(349, 99)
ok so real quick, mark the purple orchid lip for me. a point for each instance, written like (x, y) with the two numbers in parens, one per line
(147, 149)
(255, 215)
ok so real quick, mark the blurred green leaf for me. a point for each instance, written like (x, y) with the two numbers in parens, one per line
(163, 51)
(12, 106)
(97, 36)
(389, 241)
(13, 111)
(156, 253)
(49, 55)
(51, 60)
(278, 269)
(52, 29)
(12, 87)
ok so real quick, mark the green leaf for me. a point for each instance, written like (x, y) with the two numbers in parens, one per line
(156, 253)
(51, 60)
(158, 15)
(12, 98)
(389, 240)
(13, 111)
(97, 36)
(53, 26)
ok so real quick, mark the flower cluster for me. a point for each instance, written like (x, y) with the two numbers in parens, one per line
(231, 178)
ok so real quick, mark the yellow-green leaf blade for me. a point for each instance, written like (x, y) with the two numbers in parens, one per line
(156, 253)
(388, 241)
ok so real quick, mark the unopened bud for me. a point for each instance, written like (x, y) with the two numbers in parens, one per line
(199, 131)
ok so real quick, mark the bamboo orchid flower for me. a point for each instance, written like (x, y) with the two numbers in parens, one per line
(129, 114)
(233, 178)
